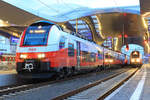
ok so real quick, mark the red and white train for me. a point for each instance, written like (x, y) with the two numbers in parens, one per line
(45, 48)
(7, 59)
(136, 58)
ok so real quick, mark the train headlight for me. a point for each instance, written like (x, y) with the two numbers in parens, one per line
(137, 60)
(111, 60)
(106, 60)
(23, 56)
(41, 55)
(132, 60)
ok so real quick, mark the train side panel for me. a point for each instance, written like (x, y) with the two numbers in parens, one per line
(58, 50)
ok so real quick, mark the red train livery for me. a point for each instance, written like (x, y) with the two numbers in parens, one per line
(45, 48)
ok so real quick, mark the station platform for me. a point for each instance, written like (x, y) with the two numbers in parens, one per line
(7, 68)
(136, 88)
(8, 71)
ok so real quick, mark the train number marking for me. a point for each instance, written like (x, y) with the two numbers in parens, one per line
(32, 49)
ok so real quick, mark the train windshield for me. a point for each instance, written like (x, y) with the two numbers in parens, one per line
(108, 56)
(37, 34)
(135, 55)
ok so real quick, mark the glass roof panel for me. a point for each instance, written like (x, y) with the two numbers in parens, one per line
(132, 47)
(64, 10)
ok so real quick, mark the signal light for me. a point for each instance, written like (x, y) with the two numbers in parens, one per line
(125, 35)
(120, 36)
(124, 14)
(145, 41)
(127, 47)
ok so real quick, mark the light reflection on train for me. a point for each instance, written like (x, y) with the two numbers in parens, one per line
(114, 58)
(136, 58)
(45, 48)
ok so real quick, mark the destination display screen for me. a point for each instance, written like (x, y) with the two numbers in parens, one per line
(36, 35)
(37, 31)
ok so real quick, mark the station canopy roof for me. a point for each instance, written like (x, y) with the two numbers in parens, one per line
(64, 10)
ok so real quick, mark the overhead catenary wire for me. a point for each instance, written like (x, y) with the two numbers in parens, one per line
(48, 6)
(57, 11)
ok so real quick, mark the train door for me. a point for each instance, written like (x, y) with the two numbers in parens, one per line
(103, 57)
(78, 54)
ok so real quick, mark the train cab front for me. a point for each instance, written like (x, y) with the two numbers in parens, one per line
(135, 58)
(31, 55)
(33, 65)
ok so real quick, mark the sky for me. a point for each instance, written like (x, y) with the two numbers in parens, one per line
(62, 10)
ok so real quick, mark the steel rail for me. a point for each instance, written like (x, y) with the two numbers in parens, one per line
(71, 93)
(16, 88)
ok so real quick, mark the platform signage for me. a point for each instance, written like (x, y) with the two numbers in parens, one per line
(14, 40)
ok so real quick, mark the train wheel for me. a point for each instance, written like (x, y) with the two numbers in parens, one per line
(104, 67)
(72, 70)
(63, 72)
(98, 68)
(69, 72)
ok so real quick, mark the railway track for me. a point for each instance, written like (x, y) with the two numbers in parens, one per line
(11, 90)
(78, 95)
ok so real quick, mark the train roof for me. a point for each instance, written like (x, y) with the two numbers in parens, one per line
(135, 52)
(42, 22)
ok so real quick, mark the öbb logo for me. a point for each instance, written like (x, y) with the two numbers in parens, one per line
(32, 49)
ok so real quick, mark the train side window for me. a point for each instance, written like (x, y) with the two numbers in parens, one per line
(100, 56)
(85, 56)
(62, 43)
(92, 57)
(70, 49)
